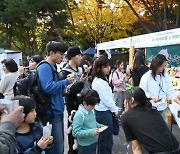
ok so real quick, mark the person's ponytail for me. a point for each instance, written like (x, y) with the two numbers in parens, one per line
(139, 97)
(148, 104)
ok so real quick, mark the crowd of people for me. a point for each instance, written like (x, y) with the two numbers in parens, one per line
(83, 85)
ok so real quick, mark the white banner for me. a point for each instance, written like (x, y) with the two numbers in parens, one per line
(168, 37)
(123, 43)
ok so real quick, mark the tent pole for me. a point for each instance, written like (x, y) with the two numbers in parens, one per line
(131, 55)
(97, 53)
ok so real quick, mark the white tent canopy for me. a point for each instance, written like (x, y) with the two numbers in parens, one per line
(168, 37)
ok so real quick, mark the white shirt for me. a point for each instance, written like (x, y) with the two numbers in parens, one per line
(7, 84)
(106, 97)
(161, 88)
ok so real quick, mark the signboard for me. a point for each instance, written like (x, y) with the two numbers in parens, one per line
(163, 38)
(123, 43)
(168, 37)
(172, 51)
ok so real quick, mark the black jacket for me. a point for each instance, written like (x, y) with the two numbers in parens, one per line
(72, 98)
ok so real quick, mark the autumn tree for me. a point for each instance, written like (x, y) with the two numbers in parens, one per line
(156, 15)
(100, 20)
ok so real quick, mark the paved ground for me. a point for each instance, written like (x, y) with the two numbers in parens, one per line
(120, 144)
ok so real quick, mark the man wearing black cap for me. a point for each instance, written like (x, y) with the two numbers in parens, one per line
(72, 93)
(54, 87)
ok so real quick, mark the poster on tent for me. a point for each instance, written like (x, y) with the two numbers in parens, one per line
(172, 52)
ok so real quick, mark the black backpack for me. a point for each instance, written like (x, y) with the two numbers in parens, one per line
(22, 86)
(30, 86)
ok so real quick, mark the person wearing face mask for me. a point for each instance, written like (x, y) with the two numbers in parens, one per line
(157, 84)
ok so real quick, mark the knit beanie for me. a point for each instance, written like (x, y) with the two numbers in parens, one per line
(72, 52)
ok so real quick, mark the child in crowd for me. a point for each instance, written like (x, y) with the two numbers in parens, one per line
(119, 79)
(85, 127)
(29, 134)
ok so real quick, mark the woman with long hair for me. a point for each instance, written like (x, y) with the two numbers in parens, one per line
(144, 127)
(139, 68)
(106, 106)
(119, 79)
(157, 84)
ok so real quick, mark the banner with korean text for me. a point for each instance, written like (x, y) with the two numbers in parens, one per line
(171, 51)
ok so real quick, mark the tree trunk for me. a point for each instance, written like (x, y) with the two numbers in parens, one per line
(140, 20)
(9, 31)
(158, 14)
(165, 15)
(58, 33)
(151, 10)
(55, 28)
(178, 15)
(72, 20)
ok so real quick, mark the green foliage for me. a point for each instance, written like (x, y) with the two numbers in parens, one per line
(30, 24)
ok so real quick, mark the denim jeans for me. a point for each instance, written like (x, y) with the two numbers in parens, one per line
(119, 98)
(57, 132)
(105, 141)
(91, 149)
